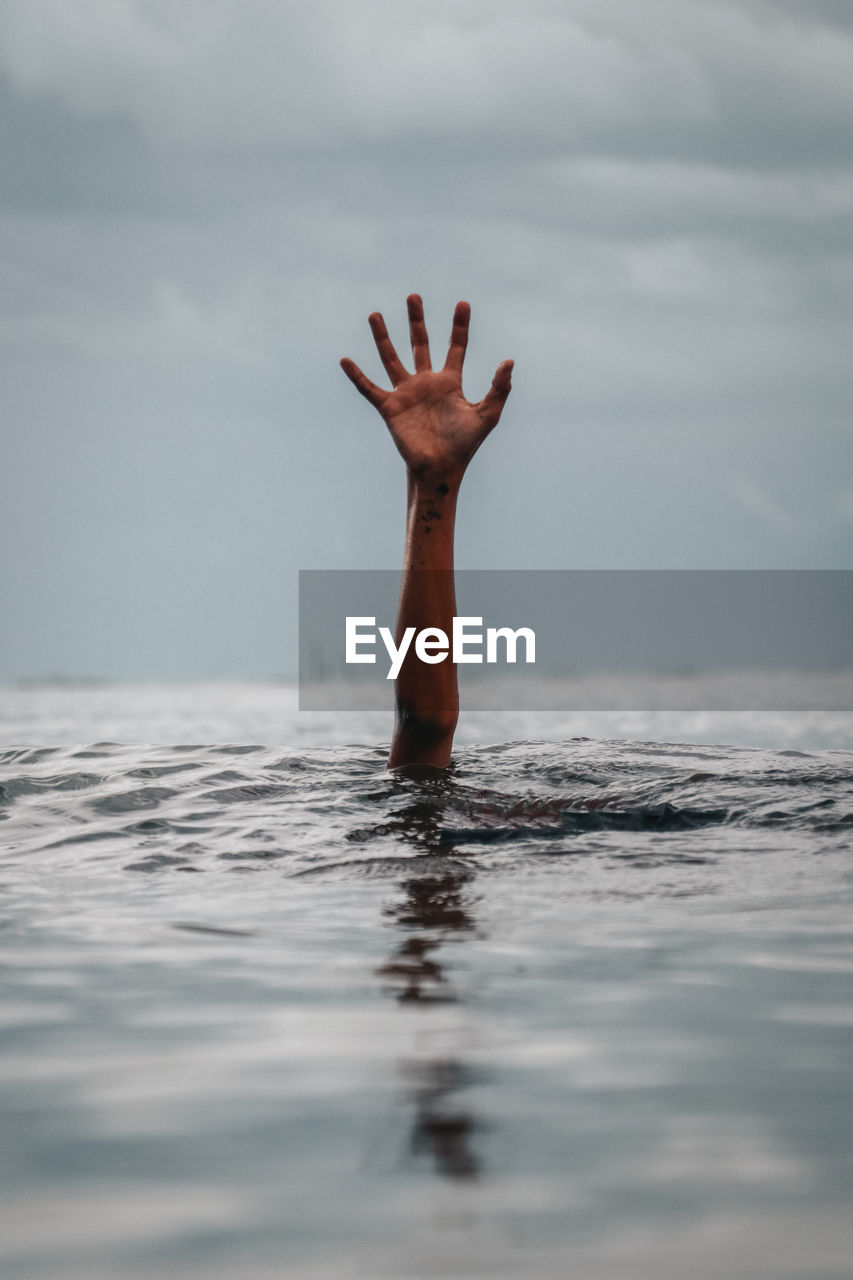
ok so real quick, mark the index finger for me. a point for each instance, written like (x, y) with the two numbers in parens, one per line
(458, 338)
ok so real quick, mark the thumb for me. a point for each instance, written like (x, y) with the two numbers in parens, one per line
(493, 402)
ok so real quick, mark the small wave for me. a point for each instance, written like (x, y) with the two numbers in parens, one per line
(662, 818)
(290, 814)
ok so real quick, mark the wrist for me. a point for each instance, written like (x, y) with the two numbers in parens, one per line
(435, 484)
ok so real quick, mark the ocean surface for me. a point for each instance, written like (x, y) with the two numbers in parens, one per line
(580, 1007)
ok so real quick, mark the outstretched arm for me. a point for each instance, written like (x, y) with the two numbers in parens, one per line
(437, 431)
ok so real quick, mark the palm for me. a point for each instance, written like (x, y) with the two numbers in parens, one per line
(432, 424)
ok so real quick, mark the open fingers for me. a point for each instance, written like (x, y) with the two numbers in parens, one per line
(458, 338)
(362, 383)
(417, 330)
(387, 353)
(493, 402)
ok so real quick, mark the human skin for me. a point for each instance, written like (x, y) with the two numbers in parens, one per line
(437, 432)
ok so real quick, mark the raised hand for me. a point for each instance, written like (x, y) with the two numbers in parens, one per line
(437, 431)
(435, 428)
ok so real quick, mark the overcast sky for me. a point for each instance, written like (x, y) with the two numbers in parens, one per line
(647, 203)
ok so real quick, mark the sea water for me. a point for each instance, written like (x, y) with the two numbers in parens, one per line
(582, 1006)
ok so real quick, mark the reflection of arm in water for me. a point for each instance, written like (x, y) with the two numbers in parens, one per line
(437, 431)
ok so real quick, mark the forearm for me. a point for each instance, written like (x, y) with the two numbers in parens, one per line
(427, 698)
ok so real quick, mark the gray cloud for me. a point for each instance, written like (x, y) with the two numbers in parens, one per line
(648, 204)
(662, 77)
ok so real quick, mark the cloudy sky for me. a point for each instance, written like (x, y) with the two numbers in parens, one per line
(647, 203)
